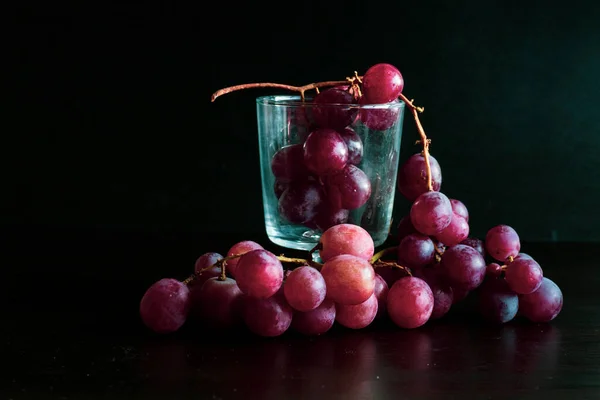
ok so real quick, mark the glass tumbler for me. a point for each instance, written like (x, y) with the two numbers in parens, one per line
(326, 164)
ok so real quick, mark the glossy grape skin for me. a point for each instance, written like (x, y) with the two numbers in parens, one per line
(317, 321)
(544, 304)
(354, 143)
(380, 291)
(443, 295)
(476, 244)
(382, 83)
(349, 188)
(463, 266)
(300, 202)
(496, 303)
(346, 239)
(431, 213)
(259, 274)
(217, 303)
(357, 316)
(334, 117)
(458, 207)
(493, 270)
(378, 119)
(204, 261)
(523, 275)
(268, 317)
(456, 232)
(405, 228)
(279, 188)
(288, 165)
(239, 248)
(350, 280)
(327, 216)
(523, 256)
(502, 242)
(165, 305)
(416, 250)
(412, 176)
(304, 289)
(410, 302)
(325, 152)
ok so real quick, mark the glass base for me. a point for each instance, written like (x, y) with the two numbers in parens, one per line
(296, 238)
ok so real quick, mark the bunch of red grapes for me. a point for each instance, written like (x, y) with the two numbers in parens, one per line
(435, 265)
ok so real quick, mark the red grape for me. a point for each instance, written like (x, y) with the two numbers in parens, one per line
(496, 302)
(267, 317)
(377, 118)
(300, 202)
(317, 321)
(346, 239)
(544, 304)
(355, 145)
(523, 256)
(416, 250)
(410, 302)
(382, 83)
(455, 233)
(412, 176)
(443, 295)
(476, 244)
(259, 274)
(350, 280)
(494, 270)
(463, 266)
(458, 207)
(165, 305)
(328, 216)
(239, 248)
(325, 152)
(349, 188)
(327, 111)
(279, 188)
(502, 242)
(204, 261)
(381, 291)
(357, 316)
(217, 302)
(301, 118)
(524, 275)
(405, 228)
(288, 163)
(304, 289)
(431, 213)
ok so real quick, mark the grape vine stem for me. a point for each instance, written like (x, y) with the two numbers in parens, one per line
(220, 263)
(299, 261)
(392, 264)
(300, 89)
(383, 253)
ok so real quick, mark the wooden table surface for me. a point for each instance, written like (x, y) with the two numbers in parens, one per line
(71, 331)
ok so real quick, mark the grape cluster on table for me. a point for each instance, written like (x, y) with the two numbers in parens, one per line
(435, 265)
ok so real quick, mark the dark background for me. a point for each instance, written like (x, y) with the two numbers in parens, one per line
(114, 132)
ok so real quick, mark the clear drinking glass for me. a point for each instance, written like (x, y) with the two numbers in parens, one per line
(314, 202)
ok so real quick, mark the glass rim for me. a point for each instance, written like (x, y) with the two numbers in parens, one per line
(295, 101)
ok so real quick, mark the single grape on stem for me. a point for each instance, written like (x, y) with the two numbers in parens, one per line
(239, 248)
(431, 213)
(267, 317)
(350, 280)
(416, 250)
(165, 305)
(502, 242)
(523, 275)
(334, 117)
(382, 83)
(217, 303)
(317, 321)
(410, 302)
(357, 316)
(412, 176)
(346, 239)
(463, 266)
(205, 268)
(304, 289)
(259, 274)
(544, 304)
(325, 152)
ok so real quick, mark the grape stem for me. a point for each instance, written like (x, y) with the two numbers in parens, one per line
(383, 253)
(424, 140)
(392, 264)
(220, 263)
(299, 261)
(300, 89)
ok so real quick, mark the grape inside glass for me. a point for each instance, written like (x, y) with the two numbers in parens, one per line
(305, 188)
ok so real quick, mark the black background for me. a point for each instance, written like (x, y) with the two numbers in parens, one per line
(114, 131)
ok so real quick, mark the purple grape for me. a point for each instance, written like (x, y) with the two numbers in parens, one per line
(304, 289)
(381, 291)
(300, 202)
(348, 189)
(391, 275)
(410, 302)
(301, 118)
(431, 213)
(204, 261)
(355, 145)
(267, 317)
(327, 111)
(325, 152)
(346, 239)
(463, 266)
(405, 228)
(165, 305)
(412, 176)
(279, 188)
(458, 207)
(217, 303)
(288, 164)
(523, 275)
(378, 119)
(544, 304)
(456, 232)
(523, 256)
(239, 248)
(382, 83)
(357, 316)
(493, 270)
(259, 274)
(502, 242)
(416, 250)
(476, 244)
(496, 302)
(443, 295)
(350, 280)
(329, 216)
(315, 322)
